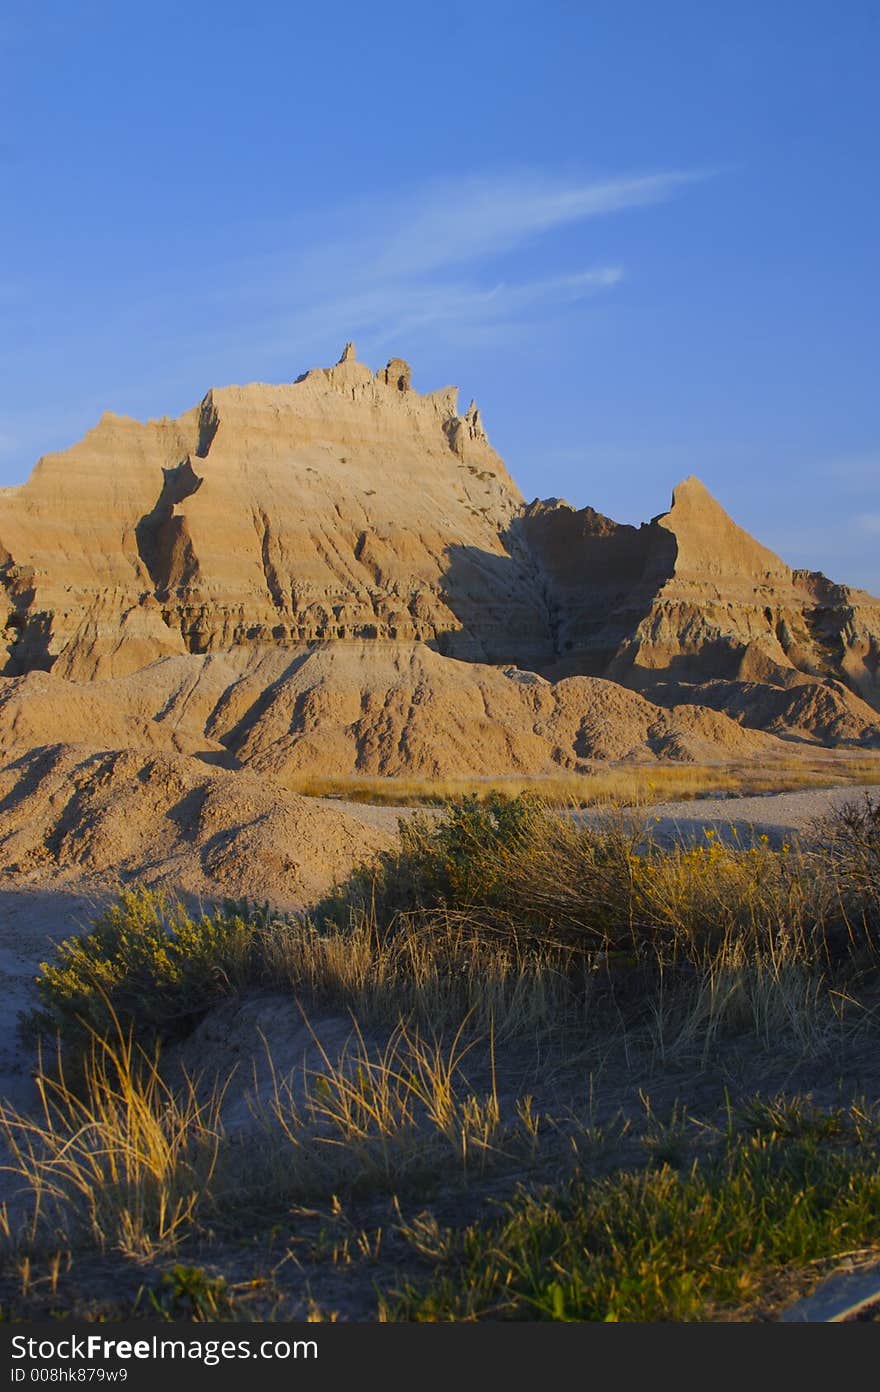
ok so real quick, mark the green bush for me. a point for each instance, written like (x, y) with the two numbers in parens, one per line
(456, 862)
(147, 965)
(516, 869)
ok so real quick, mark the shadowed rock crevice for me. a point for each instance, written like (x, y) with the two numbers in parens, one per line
(209, 421)
(271, 574)
(567, 597)
(27, 632)
(163, 540)
(501, 608)
(602, 579)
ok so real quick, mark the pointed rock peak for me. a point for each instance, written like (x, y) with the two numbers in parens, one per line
(475, 422)
(692, 503)
(692, 489)
(345, 375)
(710, 542)
(692, 497)
(397, 374)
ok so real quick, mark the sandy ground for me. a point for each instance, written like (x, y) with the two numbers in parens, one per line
(779, 816)
(31, 921)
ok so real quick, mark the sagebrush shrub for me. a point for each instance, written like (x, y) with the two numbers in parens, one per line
(148, 963)
(508, 902)
(454, 862)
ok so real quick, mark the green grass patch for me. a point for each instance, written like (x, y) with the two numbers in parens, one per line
(704, 1242)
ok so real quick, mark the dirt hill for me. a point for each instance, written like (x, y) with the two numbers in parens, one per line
(377, 708)
(68, 812)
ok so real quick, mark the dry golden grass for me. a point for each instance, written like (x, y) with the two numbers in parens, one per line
(613, 785)
(117, 1157)
(376, 1117)
(434, 970)
(123, 1161)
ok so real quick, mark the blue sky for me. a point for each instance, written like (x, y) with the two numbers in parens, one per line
(644, 236)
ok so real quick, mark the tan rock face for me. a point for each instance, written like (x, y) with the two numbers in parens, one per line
(69, 551)
(691, 597)
(287, 573)
(344, 505)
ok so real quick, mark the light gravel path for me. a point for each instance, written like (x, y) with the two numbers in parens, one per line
(31, 921)
(379, 816)
(779, 816)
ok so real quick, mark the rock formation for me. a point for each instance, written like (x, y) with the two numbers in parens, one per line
(339, 573)
(344, 505)
(690, 597)
(368, 707)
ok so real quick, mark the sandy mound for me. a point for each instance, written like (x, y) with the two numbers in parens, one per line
(818, 713)
(231, 1044)
(375, 708)
(40, 709)
(71, 811)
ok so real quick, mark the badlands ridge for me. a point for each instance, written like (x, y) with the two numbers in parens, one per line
(338, 576)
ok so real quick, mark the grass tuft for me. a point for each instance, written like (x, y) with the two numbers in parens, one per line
(119, 1158)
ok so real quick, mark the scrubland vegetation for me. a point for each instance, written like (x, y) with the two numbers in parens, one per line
(587, 1077)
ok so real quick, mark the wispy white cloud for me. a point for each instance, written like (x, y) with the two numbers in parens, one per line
(868, 522)
(462, 304)
(436, 263)
(432, 258)
(474, 218)
(438, 256)
(399, 308)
